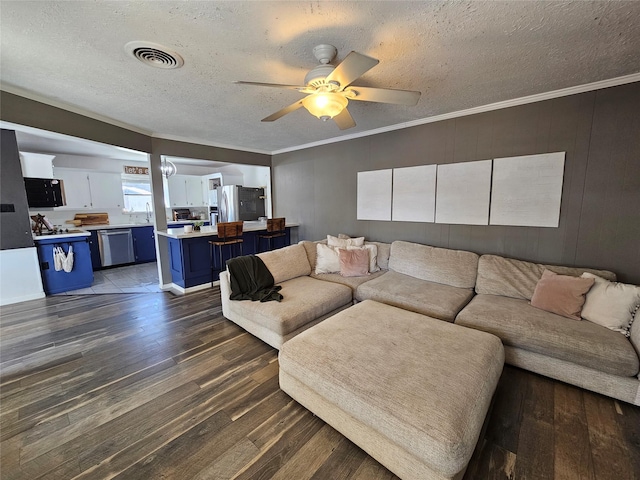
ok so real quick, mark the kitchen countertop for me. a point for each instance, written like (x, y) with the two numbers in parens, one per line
(132, 225)
(179, 233)
(75, 233)
(85, 230)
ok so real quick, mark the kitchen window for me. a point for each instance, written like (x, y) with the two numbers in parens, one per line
(137, 194)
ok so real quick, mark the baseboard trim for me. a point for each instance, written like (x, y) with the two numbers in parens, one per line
(178, 290)
(24, 298)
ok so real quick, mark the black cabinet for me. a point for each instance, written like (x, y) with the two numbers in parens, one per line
(144, 244)
(44, 192)
(94, 248)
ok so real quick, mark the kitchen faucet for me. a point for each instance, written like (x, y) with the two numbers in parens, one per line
(148, 208)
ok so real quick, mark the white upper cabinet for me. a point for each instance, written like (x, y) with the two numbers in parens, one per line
(106, 190)
(76, 187)
(185, 191)
(36, 165)
(84, 189)
(177, 191)
(194, 191)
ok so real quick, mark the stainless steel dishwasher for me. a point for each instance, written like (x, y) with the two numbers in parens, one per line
(116, 246)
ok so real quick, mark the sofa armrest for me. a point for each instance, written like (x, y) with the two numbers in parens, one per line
(225, 292)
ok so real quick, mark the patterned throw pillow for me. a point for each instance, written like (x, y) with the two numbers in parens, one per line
(611, 304)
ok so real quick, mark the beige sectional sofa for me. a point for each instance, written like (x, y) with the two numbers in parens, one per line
(581, 353)
(489, 293)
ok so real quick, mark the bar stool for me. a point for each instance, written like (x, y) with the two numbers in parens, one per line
(229, 233)
(275, 229)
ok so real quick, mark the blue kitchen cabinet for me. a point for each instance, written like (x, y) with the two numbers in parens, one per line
(190, 260)
(81, 276)
(144, 244)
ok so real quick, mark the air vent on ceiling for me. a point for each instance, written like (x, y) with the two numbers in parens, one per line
(154, 55)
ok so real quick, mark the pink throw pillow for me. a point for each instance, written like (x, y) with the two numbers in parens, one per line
(354, 262)
(561, 294)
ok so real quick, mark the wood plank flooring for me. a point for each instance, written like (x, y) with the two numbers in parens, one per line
(148, 386)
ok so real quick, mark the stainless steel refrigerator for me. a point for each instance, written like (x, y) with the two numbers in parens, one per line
(237, 203)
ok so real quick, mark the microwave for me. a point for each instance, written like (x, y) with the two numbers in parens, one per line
(44, 192)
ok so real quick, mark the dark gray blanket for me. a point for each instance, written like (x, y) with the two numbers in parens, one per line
(251, 280)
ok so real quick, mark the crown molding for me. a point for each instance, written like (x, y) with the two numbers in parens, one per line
(539, 97)
(612, 82)
(70, 108)
(196, 141)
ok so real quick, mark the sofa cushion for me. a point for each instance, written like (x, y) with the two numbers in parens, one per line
(286, 263)
(421, 296)
(384, 250)
(354, 262)
(372, 250)
(344, 242)
(304, 300)
(634, 333)
(457, 268)
(611, 304)
(327, 259)
(520, 325)
(311, 251)
(353, 282)
(561, 294)
(518, 279)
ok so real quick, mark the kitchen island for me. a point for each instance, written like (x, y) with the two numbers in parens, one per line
(189, 253)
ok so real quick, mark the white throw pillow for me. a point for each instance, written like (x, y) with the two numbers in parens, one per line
(610, 304)
(344, 242)
(373, 256)
(327, 259)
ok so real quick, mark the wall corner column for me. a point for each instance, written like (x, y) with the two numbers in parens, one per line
(159, 219)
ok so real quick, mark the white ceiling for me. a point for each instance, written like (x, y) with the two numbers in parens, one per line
(460, 55)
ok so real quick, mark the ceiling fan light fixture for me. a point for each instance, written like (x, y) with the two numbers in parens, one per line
(325, 105)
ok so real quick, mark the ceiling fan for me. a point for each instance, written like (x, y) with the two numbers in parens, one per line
(330, 88)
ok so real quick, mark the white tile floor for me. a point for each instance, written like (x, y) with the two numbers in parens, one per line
(141, 278)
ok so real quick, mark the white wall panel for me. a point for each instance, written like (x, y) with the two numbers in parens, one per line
(527, 190)
(463, 192)
(374, 195)
(414, 194)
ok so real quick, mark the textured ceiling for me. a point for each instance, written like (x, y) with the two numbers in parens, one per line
(458, 54)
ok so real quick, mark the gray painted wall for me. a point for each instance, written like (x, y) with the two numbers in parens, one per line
(600, 213)
(24, 111)
(15, 227)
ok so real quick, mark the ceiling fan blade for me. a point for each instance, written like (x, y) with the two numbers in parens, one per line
(283, 112)
(275, 85)
(383, 95)
(344, 120)
(352, 67)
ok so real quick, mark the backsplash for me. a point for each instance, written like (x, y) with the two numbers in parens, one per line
(116, 217)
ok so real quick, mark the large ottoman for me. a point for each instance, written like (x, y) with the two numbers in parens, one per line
(410, 390)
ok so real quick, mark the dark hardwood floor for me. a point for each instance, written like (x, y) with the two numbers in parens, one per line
(148, 386)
